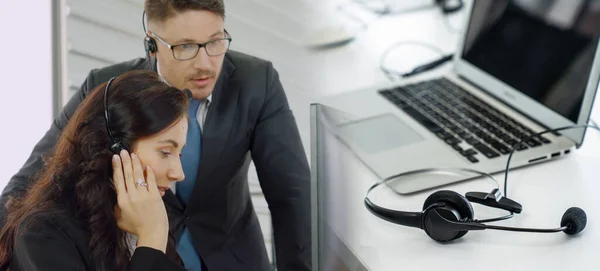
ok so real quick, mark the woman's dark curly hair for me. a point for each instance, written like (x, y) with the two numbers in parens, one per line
(77, 175)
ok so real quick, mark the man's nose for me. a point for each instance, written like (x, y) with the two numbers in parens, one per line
(202, 60)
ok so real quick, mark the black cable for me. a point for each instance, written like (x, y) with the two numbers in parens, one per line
(446, 9)
(537, 135)
(427, 66)
(419, 69)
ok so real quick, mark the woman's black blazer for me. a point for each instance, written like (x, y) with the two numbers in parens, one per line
(61, 243)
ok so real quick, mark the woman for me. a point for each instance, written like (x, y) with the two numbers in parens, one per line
(90, 205)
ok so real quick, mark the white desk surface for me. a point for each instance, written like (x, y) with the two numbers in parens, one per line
(545, 190)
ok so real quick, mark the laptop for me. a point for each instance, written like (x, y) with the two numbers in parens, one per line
(521, 68)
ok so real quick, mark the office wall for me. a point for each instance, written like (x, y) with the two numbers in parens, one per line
(101, 33)
(26, 81)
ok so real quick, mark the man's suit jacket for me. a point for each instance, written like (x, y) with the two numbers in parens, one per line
(59, 242)
(249, 118)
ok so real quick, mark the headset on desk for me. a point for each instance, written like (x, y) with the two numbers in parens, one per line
(448, 215)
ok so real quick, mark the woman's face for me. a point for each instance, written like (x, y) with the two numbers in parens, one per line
(162, 153)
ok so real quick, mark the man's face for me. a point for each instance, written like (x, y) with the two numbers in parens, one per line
(198, 74)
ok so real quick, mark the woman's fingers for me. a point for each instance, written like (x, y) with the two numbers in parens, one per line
(152, 186)
(127, 171)
(118, 179)
(138, 173)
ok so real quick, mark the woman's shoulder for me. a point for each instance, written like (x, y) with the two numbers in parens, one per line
(55, 225)
(50, 239)
(43, 221)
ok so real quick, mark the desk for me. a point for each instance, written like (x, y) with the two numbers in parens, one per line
(545, 191)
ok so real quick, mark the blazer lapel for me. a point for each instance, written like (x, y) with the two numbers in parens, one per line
(170, 199)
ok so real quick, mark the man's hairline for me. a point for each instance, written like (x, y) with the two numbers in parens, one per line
(175, 13)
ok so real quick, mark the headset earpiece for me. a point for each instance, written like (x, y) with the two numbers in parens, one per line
(116, 148)
(451, 206)
(149, 45)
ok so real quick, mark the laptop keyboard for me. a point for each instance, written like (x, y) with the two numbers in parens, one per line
(456, 116)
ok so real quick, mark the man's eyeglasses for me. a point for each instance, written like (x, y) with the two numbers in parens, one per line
(190, 50)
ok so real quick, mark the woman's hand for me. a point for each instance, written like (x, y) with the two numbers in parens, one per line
(140, 209)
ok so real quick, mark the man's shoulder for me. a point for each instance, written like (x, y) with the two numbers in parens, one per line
(100, 75)
(243, 59)
(246, 65)
(250, 71)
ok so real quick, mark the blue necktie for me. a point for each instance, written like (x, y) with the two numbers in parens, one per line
(190, 162)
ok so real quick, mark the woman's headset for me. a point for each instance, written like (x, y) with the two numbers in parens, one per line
(116, 146)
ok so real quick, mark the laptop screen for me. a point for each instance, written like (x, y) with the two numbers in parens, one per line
(543, 49)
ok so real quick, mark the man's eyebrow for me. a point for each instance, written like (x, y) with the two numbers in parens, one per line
(188, 40)
(184, 41)
(220, 32)
(170, 141)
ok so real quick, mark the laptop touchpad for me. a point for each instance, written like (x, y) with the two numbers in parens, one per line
(380, 133)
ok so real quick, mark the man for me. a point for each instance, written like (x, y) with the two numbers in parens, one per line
(239, 112)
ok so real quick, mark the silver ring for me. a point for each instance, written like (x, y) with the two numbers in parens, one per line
(141, 182)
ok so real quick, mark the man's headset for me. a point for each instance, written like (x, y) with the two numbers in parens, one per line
(149, 42)
(448, 215)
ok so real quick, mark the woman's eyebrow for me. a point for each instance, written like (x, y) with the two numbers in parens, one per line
(170, 141)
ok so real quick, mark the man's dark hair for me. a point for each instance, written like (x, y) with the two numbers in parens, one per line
(161, 10)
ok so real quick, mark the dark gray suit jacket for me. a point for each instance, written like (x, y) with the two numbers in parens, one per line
(249, 118)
